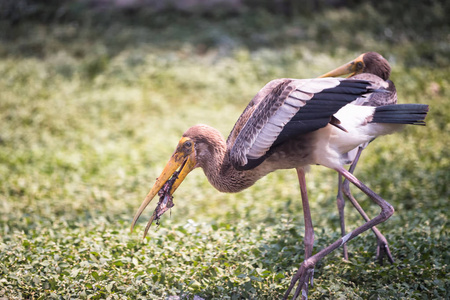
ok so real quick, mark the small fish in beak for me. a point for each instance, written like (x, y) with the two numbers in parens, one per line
(165, 201)
(165, 198)
(179, 165)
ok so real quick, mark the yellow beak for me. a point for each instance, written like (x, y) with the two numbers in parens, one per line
(183, 159)
(352, 68)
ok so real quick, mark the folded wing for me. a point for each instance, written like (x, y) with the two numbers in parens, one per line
(291, 108)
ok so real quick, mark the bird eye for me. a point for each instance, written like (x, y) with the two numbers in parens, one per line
(359, 65)
(188, 144)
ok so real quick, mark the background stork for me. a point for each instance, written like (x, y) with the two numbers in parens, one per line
(375, 68)
(290, 123)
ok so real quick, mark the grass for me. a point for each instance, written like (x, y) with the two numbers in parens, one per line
(91, 110)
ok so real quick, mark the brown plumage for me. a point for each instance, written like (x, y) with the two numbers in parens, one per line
(290, 123)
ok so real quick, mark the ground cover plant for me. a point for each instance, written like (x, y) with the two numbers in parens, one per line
(92, 105)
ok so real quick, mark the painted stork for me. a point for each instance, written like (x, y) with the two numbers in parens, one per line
(364, 67)
(290, 123)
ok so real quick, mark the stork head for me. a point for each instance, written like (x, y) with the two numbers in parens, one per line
(199, 146)
(370, 62)
(181, 162)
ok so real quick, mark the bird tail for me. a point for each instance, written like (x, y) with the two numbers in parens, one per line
(401, 114)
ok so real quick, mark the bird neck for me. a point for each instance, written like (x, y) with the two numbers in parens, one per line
(225, 178)
(216, 165)
(213, 156)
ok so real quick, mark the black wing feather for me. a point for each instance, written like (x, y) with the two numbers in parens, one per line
(315, 114)
(318, 111)
(401, 114)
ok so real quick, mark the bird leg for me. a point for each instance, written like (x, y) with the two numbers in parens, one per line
(309, 229)
(341, 204)
(301, 276)
(340, 201)
(344, 188)
(382, 244)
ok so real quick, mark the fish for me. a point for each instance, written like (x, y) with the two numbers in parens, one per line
(165, 202)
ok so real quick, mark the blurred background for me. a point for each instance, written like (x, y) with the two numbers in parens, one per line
(95, 94)
(419, 31)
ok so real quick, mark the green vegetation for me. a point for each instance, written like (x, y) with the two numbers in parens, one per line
(92, 105)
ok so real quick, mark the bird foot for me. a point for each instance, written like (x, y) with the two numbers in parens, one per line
(304, 277)
(383, 250)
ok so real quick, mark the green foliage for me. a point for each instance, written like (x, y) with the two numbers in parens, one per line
(90, 110)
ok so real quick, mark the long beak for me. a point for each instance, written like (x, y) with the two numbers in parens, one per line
(183, 158)
(352, 68)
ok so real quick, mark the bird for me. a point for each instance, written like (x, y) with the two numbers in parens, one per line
(289, 124)
(365, 67)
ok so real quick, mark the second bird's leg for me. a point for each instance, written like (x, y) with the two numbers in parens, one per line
(340, 201)
(309, 229)
(387, 210)
(344, 187)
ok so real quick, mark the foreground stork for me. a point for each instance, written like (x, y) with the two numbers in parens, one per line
(365, 67)
(289, 124)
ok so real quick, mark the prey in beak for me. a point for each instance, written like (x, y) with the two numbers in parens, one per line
(352, 68)
(180, 164)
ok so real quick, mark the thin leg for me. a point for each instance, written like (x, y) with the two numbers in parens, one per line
(340, 201)
(341, 204)
(382, 244)
(386, 211)
(309, 230)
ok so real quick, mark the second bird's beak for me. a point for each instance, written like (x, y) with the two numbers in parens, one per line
(352, 68)
(180, 164)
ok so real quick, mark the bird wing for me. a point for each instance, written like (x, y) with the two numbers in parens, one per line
(266, 90)
(293, 107)
(373, 99)
(376, 99)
